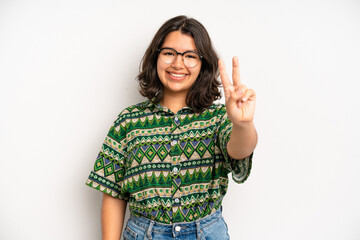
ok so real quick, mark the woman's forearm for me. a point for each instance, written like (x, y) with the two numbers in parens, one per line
(243, 140)
(112, 217)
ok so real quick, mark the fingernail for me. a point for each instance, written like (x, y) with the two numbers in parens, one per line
(244, 99)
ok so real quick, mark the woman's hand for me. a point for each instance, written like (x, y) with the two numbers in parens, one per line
(239, 100)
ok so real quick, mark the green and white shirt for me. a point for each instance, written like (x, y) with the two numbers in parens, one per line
(169, 167)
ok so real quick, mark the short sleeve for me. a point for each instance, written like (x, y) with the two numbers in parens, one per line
(108, 172)
(240, 168)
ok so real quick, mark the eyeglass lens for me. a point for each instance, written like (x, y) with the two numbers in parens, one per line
(190, 59)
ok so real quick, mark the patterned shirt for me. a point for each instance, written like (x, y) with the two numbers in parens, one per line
(169, 167)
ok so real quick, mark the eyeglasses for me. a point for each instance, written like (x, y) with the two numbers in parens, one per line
(169, 55)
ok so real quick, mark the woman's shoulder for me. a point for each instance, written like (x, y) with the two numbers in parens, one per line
(217, 108)
(217, 105)
(135, 110)
(141, 106)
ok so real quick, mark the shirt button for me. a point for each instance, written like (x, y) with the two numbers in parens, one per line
(177, 228)
(175, 170)
(174, 142)
(176, 118)
(177, 200)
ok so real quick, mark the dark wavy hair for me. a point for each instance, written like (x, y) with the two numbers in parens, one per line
(205, 90)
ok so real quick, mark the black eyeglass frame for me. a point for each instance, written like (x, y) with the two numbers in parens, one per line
(182, 54)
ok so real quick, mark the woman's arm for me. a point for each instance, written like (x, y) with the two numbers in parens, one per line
(240, 108)
(243, 140)
(112, 217)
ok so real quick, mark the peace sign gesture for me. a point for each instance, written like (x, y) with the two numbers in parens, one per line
(239, 100)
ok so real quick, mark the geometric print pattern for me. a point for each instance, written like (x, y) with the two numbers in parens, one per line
(169, 167)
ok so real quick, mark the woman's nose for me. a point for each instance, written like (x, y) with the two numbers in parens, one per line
(178, 63)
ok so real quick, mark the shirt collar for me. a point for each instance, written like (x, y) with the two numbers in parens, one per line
(156, 107)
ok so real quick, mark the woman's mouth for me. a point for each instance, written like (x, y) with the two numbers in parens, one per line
(177, 76)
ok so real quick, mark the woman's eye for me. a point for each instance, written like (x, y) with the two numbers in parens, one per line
(190, 56)
(168, 53)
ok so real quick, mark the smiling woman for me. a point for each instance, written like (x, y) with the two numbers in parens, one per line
(169, 158)
(176, 77)
(182, 34)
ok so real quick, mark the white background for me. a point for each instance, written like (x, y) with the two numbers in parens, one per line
(67, 68)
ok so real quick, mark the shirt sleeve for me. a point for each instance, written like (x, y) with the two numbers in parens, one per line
(240, 168)
(108, 172)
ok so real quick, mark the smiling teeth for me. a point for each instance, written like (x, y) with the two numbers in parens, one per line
(177, 75)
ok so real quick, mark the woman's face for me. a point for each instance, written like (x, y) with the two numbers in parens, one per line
(176, 77)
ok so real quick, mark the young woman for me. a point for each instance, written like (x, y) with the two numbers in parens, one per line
(169, 157)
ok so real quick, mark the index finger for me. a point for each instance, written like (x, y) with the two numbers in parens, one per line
(236, 72)
(223, 74)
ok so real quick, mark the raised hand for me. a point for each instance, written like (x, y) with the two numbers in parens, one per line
(239, 100)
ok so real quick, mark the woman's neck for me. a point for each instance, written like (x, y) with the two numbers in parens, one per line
(174, 102)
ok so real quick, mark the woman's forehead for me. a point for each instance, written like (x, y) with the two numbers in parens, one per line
(179, 41)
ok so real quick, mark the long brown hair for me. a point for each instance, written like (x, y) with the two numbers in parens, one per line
(205, 90)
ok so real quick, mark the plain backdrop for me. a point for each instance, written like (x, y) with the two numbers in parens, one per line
(67, 68)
